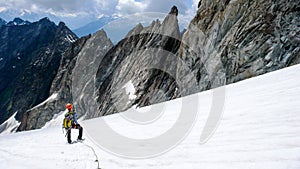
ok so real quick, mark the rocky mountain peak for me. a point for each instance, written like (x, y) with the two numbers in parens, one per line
(61, 24)
(170, 25)
(139, 27)
(17, 21)
(174, 10)
(45, 21)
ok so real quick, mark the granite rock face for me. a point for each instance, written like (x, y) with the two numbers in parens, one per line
(229, 41)
(146, 61)
(84, 73)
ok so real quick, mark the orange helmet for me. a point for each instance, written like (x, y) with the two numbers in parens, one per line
(69, 106)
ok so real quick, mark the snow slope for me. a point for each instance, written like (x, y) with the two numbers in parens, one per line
(259, 128)
(44, 149)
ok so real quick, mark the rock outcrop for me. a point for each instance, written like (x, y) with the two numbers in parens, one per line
(229, 41)
(84, 73)
(146, 61)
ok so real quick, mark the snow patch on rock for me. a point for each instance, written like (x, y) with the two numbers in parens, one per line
(51, 98)
(10, 125)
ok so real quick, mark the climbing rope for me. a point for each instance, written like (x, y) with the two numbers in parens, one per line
(90, 147)
(97, 160)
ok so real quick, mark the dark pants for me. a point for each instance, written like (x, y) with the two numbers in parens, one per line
(74, 126)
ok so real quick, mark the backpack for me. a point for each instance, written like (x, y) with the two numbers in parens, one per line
(68, 120)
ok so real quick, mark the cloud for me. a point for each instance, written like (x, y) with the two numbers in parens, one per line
(130, 7)
(80, 12)
(195, 4)
(99, 7)
(93, 7)
(126, 7)
(96, 7)
(164, 6)
(2, 9)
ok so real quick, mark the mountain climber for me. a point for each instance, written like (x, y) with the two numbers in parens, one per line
(70, 122)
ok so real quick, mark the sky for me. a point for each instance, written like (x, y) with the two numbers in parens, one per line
(77, 13)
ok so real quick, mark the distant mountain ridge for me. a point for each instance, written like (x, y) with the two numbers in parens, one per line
(94, 26)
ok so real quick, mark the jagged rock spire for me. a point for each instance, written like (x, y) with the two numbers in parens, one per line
(174, 10)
